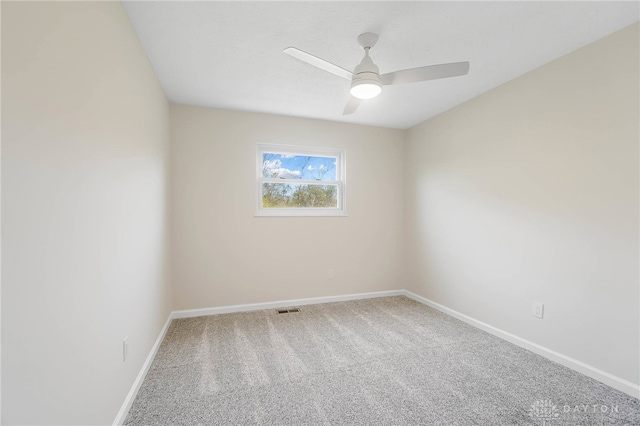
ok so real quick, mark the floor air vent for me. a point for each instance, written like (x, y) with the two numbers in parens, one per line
(288, 311)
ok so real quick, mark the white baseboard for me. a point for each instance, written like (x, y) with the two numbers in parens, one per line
(126, 406)
(579, 366)
(282, 304)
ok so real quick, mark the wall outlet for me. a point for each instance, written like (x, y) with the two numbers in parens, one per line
(331, 274)
(125, 348)
(537, 309)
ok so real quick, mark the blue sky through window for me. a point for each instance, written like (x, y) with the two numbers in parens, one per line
(287, 166)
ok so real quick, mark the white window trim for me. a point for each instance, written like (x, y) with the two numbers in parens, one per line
(341, 175)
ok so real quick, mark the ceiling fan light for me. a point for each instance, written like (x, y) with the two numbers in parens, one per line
(365, 89)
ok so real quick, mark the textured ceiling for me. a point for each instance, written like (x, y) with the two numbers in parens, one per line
(229, 54)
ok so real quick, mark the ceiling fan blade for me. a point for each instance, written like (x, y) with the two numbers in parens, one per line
(317, 62)
(431, 72)
(351, 106)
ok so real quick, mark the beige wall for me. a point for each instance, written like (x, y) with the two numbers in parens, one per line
(530, 192)
(223, 255)
(84, 169)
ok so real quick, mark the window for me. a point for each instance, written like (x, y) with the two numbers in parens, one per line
(300, 181)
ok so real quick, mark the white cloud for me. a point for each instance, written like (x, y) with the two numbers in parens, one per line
(310, 167)
(274, 168)
(323, 167)
(272, 164)
(286, 173)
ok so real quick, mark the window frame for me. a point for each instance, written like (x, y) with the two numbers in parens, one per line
(338, 154)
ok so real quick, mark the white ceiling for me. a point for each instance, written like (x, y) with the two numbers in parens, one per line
(228, 54)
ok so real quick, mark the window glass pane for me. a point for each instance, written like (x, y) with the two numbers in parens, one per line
(297, 195)
(287, 166)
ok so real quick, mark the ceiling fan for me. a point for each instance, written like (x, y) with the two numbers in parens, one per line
(366, 81)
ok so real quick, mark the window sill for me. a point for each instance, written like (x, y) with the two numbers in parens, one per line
(301, 213)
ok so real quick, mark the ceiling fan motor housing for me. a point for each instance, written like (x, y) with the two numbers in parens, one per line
(366, 83)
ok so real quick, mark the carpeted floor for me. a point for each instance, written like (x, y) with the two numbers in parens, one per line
(384, 361)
